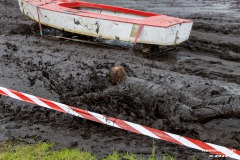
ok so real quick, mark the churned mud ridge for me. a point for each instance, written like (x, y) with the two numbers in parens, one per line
(216, 23)
(194, 63)
(226, 47)
(212, 69)
(217, 35)
(154, 100)
(205, 26)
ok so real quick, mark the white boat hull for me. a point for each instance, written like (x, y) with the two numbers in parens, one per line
(107, 29)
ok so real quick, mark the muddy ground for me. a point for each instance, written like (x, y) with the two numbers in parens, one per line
(193, 90)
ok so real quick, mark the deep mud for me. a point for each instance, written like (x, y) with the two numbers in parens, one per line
(193, 90)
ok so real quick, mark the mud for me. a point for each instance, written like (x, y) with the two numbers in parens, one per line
(193, 90)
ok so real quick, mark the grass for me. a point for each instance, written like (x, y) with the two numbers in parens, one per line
(44, 151)
(41, 151)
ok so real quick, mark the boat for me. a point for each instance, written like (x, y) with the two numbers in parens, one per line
(108, 22)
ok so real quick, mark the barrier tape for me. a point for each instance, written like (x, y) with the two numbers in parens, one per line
(125, 125)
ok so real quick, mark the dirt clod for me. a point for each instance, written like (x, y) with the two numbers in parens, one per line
(117, 74)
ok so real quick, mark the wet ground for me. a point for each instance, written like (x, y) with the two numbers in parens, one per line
(193, 90)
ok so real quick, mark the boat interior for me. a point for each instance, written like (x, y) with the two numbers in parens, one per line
(107, 10)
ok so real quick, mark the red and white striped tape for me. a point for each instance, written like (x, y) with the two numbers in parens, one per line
(125, 125)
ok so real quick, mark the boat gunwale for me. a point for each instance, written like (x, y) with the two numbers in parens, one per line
(107, 7)
(54, 5)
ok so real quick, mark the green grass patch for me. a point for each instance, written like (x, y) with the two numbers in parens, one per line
(45, 151)
(41, 151)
